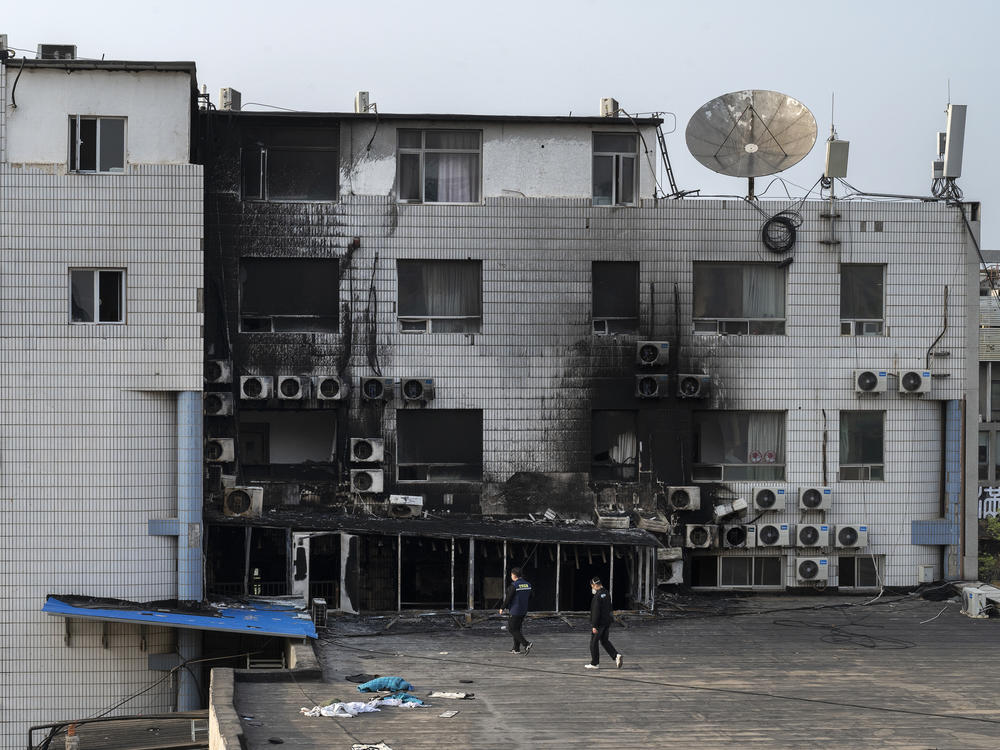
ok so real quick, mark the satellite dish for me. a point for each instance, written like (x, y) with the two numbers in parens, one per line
(751, 133)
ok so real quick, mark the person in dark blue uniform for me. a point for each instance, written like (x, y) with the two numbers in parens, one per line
(516, 603)
(600, 621)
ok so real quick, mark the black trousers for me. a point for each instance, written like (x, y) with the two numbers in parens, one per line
(601, 638)
(514, 628)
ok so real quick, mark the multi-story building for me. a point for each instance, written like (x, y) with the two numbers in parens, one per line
(100, 376)
(478, 319)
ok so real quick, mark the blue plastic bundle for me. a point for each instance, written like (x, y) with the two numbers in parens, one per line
(395, 684)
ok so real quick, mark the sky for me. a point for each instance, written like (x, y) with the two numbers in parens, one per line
(887, 64)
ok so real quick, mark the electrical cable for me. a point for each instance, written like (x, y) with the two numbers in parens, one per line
(269, 106)
(13, 89)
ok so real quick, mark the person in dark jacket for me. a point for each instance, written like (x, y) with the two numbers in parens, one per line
(600, 621)
(516, 603)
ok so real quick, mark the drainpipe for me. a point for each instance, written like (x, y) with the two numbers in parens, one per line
(189, 525)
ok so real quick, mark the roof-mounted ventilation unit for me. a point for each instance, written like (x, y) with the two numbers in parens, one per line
(218, 371)
(870, 381)
(815, 498)
(366, 480)
(812, 535)
(367, 450)
(256, 387)
(769, 498)
(406, 506)
(293, 387)
(376, 389)
(915, 381)
(811, 569)
(56, 52)
(651, 386)
(693, 386)
(684, 498)
(609, 107)
(734, 536)
(245, 502)
(220, 450)
(417, 389)
(850, 536)
(768, 535)
(652, 353)
(330, 388)
(700, 536)
(218, 404)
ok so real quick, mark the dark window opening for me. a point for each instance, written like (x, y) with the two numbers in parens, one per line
(439, 166)
(862, 437)
(377, 566)
(324, 569)
(705, 571)
(292, 164)
(440, 296)
(862, 300)
(97, 296)
(739, 299)
(96, 144)
(225, 557)
(289, 294)
(268, 568)
(614, 169)
(858, 572)
(439, 445)
(614, 446)
(426, 581)
(288, 444)
(615, 295)
(739, 445)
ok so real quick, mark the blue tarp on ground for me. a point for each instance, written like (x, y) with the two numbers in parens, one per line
(257, 619)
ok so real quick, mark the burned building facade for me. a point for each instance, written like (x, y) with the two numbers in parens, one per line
(420, 328)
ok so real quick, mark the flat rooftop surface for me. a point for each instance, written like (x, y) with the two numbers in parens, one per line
(709, 672)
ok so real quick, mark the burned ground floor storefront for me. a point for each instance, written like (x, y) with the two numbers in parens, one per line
(383, 565)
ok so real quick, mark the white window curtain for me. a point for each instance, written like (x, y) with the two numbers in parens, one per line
(451, 178)
(763, 292)
(625, 448)
(766, 437)
(451, 289)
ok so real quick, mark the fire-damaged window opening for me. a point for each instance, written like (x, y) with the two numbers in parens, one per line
(862, 445)
(225, 563)
(96, 295)
(739, 298)
(579, 563)
(291, 164)
(439, 445)
(440, 296)
(316, 567)
(289, 295)
(615, 175)
(739, 445)
(247, 561)
(378, 565)
(615, 295)
(861, 572)
(439, 166)
(426, 573)
(288, 444)
(862, 299)
(614, 446)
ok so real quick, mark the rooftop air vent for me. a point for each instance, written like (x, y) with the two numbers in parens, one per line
(56, 52)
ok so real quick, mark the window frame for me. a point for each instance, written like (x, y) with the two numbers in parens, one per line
(97, 271)
(698, 469)
(878, 562)
(865, 470)
(628, 470)
(752, 585)
(429, 466)
(263, 196)
(854, 326)
(741, 326)
(428, 320)
(244, 317)
(599, 325)
(421, 153)
(73, 126)
(616, 171)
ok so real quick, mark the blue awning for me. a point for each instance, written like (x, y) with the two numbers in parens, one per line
(258, 619)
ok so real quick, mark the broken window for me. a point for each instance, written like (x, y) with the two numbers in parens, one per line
(614, 446)
(268, 562)
(735, 298)
(440, 296)
(615, 295)
(96, 295)
(615, 175)
(288, 444)
(96, 144)
(439, 445)
(289, 294)
(862, 435)
(291, 164)
(324, 569)
(225, 560)
(862, 296)
(859, 572)
(439, 166)
(739, 445)
(425, 570)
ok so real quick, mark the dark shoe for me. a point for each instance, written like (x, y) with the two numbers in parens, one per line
(527, 648)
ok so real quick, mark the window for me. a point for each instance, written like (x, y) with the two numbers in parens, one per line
(440, 296)
(289, 294)
(858, 572)
(615, 295)
(96, 144)
(439, 166)
(614, 447)
(862, 294)
(862, 436)
(96, 295)
(615, 175)
(291, 164)
(731, 445)
(731, 298)
(439, 445)
(288, 444)
(711, 571)
(984, 455)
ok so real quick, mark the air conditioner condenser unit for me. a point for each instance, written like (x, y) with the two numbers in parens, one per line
(734, 537)
(652, 353)
(768, 535)
(218, 404)
(220, 450)
(417, 389)
(815, 498)
(812, 535)
(812, 569)
(406, 506)
(693, 386)
(683, 498)
(870, 381)
(330, 388)
(256, 387)
(769, 498)
(850, 535)
(377, 389)
(367, 450)
(293, 387)
(367, 480)
(915, 381)
(244, 502)
(652, 386)
(701, 536)
(218, 371)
